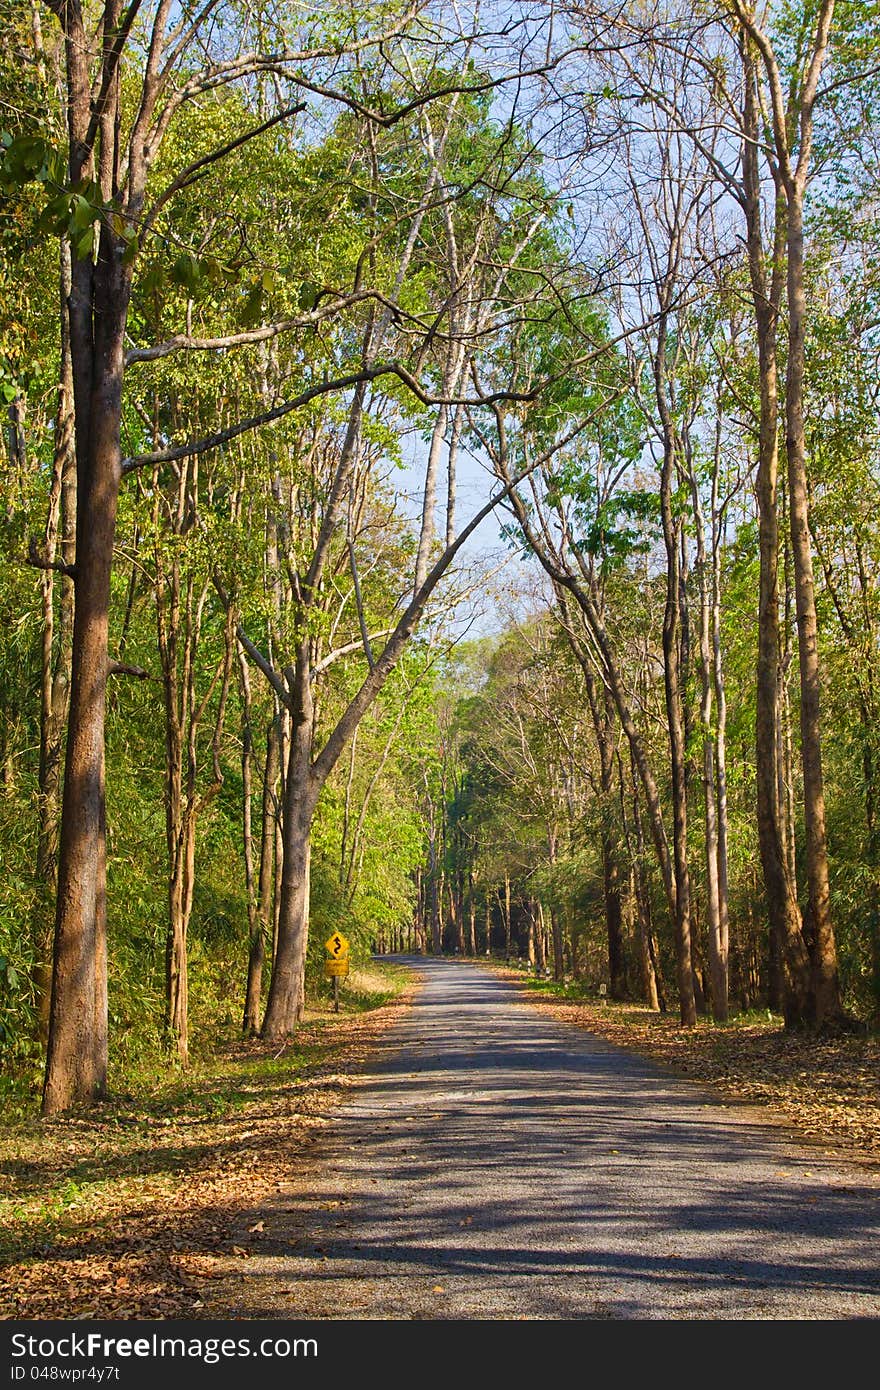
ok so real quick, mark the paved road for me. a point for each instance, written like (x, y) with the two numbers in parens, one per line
(496, 1164)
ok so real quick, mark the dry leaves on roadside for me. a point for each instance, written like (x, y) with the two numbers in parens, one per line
(154, 1201)
(828, 1089)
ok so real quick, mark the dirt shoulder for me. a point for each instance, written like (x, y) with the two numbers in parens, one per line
(827, 1090)
(121, 1212)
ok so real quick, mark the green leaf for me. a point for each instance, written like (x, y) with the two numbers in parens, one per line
(153, 278)
(212, 271)
(308, 295)
(82, 213)
(86, 244)
(186, 272)
(253, 307)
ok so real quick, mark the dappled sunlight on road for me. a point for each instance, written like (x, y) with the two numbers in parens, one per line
(498, 1164)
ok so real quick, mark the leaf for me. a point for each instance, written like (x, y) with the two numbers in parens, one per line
(153, 278)
(56, 215)
(82, 213)
(212, 271)
(86, 244)
(24, 158)
(186, 272)
(253, 307)
(308, 295)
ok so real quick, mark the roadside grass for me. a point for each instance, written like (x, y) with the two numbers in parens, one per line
(164, 1162)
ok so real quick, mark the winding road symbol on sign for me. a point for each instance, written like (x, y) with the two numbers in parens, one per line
(336, 946)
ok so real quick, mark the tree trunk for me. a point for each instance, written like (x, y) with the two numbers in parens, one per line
(558, 944)
(56, 653)
(596, 626)
(717, 933)
(819, 930)
(636, 852)
(869, 727)
(76, 1063)
(263, 927)
(286, 993)
(540, 940)
(673, 691)
(602, 711)
(507, 916)
(720, 759)
(419, 922)
(780, 891)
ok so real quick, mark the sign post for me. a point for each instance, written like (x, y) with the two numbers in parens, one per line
(336, 963)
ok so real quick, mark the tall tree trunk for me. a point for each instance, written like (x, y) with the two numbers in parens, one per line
(673, 691)
(247, 836)
(286, 992)
(507, 916)
(540, 940)
(636, 852)
(563, 583)
(818, 926)
(780, 890)
(602, 712)
(419, 921)
(717, 932)
(263, 928)
(56, 651)
(720, 750)
(76, 1062)
(556, 928)
(869, 728)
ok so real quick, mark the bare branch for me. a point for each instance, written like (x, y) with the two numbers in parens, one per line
(253, 651)
(121, 668)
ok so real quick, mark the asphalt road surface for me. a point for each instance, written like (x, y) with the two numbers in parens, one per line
(496, 1164)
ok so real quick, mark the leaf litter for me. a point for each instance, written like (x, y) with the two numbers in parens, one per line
(826, 1089)
(124, 1213)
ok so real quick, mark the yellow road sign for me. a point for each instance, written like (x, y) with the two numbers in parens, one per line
(336, 967)
(336, 946)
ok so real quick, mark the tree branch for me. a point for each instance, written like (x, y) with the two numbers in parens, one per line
(40, 562)
(253, 650)
(121, 668)
(185, 342)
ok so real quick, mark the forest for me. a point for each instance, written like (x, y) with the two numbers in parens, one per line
(440, 478)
